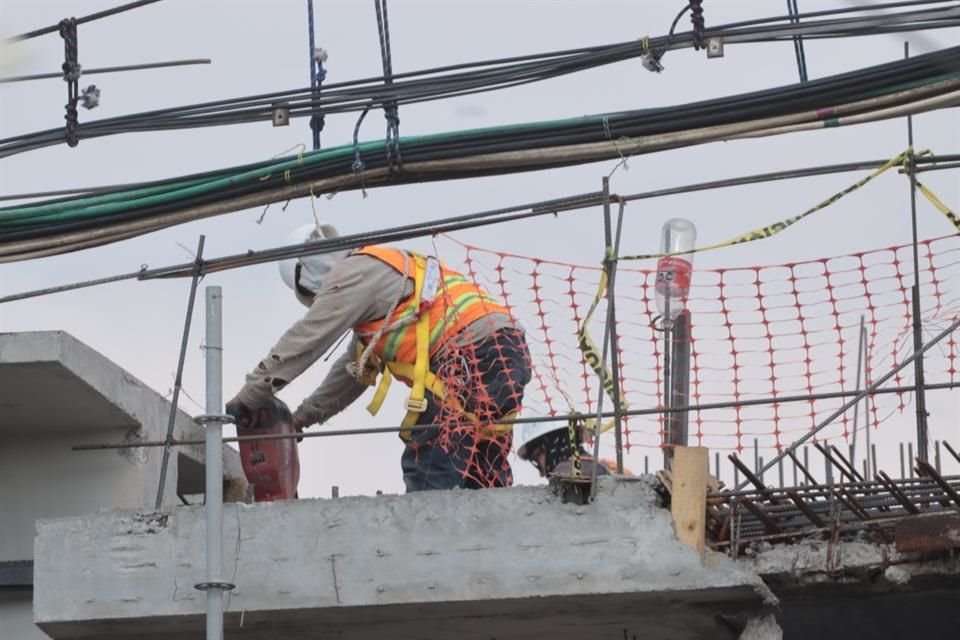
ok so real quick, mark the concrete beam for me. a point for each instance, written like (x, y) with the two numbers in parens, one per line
(510, 563)
(58, 392)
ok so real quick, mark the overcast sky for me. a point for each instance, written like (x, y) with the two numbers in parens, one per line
(258, 47)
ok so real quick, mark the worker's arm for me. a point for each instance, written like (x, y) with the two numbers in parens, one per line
(337, 392)
(344, 300)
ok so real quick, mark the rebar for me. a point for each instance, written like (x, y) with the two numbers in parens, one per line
(872, 387)
(530, 420)
(178, 380)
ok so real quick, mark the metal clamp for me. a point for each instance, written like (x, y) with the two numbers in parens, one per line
(417, 406)
(281, 115)
(715, 47)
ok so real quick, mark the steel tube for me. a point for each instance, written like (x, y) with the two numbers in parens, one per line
(921, 399)
(610, 264)
(214, 463)
(178, 381)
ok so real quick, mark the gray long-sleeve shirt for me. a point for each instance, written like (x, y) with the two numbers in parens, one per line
(359, 289)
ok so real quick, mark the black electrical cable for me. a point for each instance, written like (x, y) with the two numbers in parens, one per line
(303, 102)
(93, 16)
(790, 99)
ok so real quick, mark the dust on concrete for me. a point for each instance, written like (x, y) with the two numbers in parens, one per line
(762, 628)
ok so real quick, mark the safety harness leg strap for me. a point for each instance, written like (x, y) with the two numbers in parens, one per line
(381, 393)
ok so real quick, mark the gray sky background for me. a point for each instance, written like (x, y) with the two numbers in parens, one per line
(259, 47)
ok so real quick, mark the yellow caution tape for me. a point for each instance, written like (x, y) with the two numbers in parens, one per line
(595, 360)
(938, 203)
(592, 355)
(773, 229)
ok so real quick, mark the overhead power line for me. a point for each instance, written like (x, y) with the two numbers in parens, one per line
(471, 78)
(90, 18)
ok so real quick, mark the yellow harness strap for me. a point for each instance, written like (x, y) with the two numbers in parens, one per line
(419, 374)
(417, 401)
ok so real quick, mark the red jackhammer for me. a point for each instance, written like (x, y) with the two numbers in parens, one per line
(272, 466)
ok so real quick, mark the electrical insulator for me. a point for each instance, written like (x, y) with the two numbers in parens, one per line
(678, 237)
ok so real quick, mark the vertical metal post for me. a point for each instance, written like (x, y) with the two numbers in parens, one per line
(936, 455)
(610, 265)
(856, 407)
(871, 468)
(921, 397)
(213, 422)
(828, 469)
(680, 379)
(910, 459)
(780, 471)
(756, 455)
(716, 464)
(668, 422)
(806, 460)
(873, 459)
(760, 468)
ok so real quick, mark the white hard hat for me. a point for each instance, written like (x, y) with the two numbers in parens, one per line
(525, 433)
(305, 275)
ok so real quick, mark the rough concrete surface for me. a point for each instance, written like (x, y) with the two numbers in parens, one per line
(762, 628)
(509, 563)
(857, 589)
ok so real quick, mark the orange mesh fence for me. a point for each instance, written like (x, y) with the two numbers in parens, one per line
(757, 332)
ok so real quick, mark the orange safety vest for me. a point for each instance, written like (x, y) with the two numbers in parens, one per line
(457, 304)
(421, 327)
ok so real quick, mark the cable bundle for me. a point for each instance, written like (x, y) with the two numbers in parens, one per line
(470, 78)
(895, 89)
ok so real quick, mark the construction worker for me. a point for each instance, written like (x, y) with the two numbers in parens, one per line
(412, 318)
(553, 449)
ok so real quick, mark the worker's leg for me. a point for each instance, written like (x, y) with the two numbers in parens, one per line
(426, 463)
(488, 380)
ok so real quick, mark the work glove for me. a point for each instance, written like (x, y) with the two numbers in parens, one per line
(243, 416)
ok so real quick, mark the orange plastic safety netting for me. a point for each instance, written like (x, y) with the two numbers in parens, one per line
(757, 332)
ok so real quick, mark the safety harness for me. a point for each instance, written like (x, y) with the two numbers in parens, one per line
(427, 279)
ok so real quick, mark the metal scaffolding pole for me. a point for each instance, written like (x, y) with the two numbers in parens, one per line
(610, 265)
(213, 456)
(921, 400)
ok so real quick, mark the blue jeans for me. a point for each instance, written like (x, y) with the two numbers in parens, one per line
(487, 379)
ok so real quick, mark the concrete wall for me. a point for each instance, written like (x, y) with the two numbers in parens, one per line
(43, 478)
(442, 564)
(56, 392)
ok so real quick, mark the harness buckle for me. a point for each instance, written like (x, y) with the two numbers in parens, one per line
(416, 406)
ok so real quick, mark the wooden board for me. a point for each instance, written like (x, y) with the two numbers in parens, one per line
(688, 503)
